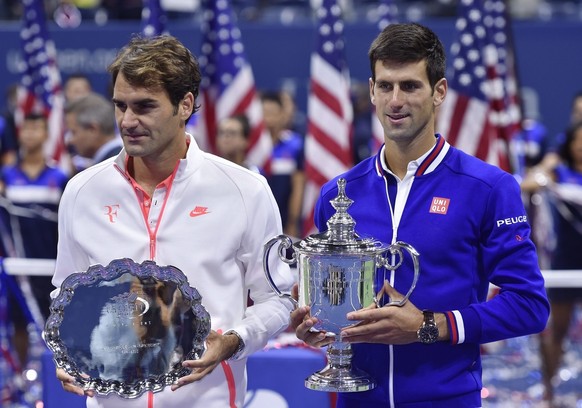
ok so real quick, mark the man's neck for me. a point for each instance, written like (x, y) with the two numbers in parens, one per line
(398, 155)
(148, 173)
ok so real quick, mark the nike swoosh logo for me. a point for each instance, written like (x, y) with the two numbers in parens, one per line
(199, 211)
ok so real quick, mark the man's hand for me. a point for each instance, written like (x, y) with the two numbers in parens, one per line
(219, 348)
(388, 325)
(302, 322)
(69, 384)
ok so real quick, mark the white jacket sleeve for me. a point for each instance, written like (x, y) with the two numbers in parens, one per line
(269, 314)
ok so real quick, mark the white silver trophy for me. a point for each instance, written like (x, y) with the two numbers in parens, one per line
(338, 273)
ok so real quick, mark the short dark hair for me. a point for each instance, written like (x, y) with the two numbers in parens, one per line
(93, 109)
(35, 116)
(272, 96)
(409, 42)
(244, 121)
(78, 75)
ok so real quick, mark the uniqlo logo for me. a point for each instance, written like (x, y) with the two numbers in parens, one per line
(439, 205)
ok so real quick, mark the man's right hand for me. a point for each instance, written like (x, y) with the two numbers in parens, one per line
(69, 384)
(302, 322)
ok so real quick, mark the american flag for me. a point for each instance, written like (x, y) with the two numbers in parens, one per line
(329, 109)
(387, 13)
(509, 108)
(40, 90)
(153, 18)
(228, 86)
(480, 113)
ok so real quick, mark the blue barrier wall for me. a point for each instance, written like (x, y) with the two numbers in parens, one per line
(549, 55)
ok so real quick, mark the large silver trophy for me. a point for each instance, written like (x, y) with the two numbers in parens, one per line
(338, 273)
(126, 328)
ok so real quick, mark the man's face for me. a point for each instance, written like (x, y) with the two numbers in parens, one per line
(76, 88)
(577, 110)
(82, 138)
(273, 116)
(151, 127)
(404, 100)
(33, 134)
(230, 140)
(576, 147)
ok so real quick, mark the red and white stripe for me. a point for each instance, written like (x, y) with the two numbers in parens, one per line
(329, 129)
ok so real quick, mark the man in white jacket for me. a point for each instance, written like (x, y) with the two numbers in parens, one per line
(165, 200)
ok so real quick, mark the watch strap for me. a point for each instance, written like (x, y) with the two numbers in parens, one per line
(239, 349)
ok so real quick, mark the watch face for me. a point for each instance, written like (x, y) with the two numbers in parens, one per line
(428, 334)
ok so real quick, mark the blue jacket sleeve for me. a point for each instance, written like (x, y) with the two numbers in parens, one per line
(510, 262)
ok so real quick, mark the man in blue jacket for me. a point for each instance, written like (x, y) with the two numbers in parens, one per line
(464, 217)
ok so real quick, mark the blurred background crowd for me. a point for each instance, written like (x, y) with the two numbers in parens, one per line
(289, 11)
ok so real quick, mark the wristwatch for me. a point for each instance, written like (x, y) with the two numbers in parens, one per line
(428, 332)
(239, 349)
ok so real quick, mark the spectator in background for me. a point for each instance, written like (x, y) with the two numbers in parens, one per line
(558, 177)
(528, 147)
(91, 124)
(546, 159)
(76, 86)
(295, 119)
(552, 146)
(363, 115)
(530, 144)
(575, 117)
(286, 176)
(8, 135)
(123, 9)
(31, 191)
(36, 185)
(232, 140)
(9, 9)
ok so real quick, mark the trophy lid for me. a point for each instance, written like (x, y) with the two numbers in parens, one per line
(340, 236)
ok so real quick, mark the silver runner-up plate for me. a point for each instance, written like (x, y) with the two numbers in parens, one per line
(126, 328)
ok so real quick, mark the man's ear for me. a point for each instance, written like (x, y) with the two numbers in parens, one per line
(186, 106)
(372, 96)
(440, 92)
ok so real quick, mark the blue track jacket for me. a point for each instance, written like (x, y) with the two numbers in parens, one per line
(467, 221)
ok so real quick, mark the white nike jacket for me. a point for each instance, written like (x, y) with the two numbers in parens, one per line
(211, 223)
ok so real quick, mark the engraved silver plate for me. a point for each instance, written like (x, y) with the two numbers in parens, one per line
(126, 328)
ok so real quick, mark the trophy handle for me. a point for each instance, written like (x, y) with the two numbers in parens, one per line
(396, 249)
(285, 243)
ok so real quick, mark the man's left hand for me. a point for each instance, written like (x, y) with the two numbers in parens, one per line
(219, 347)
(387, 325)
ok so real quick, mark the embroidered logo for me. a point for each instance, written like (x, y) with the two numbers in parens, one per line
(199, 211)
(439, 205)
(111, 212)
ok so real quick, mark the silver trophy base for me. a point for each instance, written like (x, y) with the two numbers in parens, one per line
(332, 379)
(339, 375)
